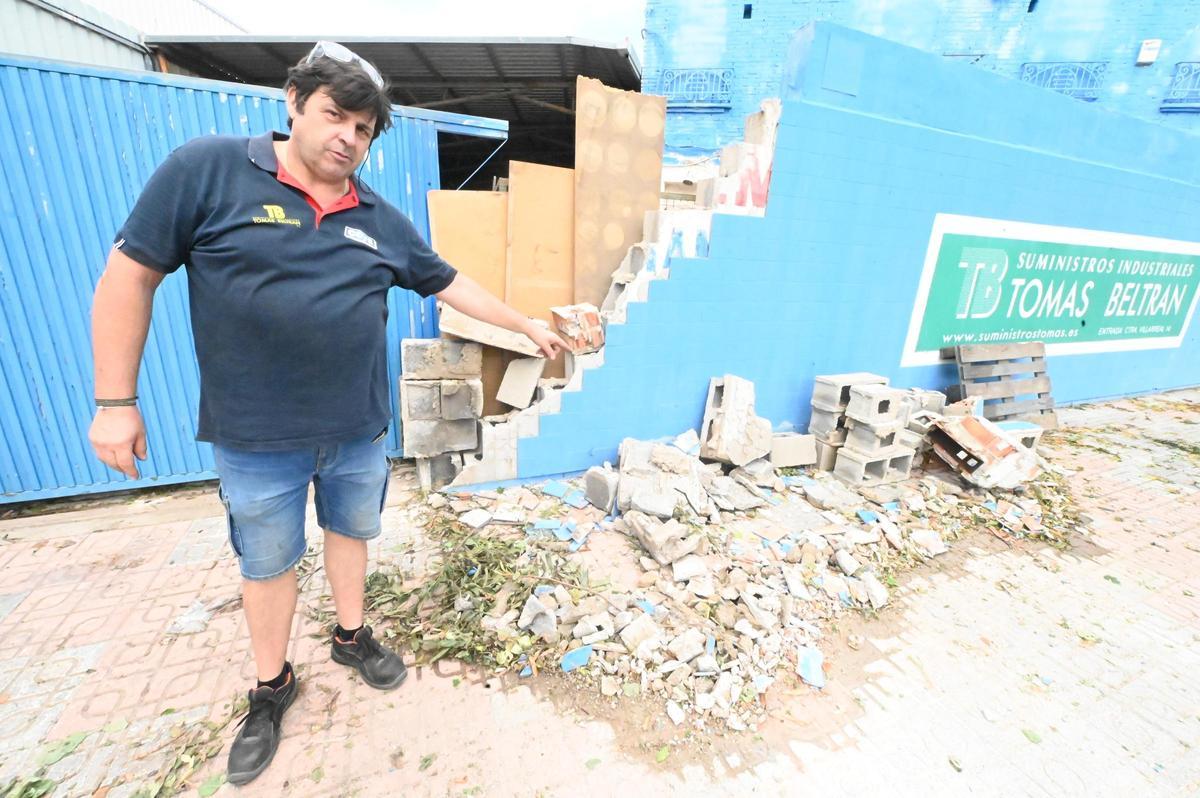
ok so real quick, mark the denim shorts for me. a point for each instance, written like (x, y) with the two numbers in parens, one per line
(265, 495)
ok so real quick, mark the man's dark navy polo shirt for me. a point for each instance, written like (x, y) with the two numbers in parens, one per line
(289, 308)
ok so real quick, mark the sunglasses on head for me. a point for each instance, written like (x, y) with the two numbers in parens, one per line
(347, 56)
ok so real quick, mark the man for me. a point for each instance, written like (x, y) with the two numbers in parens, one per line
(289, 260)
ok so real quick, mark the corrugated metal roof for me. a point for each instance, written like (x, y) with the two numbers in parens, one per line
(69, 31)
(157, 16)
(528, 81)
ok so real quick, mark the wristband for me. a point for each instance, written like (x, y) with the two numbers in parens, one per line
(130, 402)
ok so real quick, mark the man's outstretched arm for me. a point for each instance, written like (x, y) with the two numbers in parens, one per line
(120, 321)
(469, 297)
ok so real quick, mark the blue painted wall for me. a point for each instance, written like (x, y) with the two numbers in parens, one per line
(826, 281)
(995, 35)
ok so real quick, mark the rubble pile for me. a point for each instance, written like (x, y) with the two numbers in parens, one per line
(735, 566)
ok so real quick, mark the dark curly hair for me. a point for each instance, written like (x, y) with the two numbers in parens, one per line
(347, 83)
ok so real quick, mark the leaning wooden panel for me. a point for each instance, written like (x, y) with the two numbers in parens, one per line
(470, 230)
(541, 241)
(618, 172)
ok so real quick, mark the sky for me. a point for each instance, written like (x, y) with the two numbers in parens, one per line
(613, 21)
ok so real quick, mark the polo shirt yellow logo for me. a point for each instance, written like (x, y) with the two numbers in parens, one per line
(275, 215)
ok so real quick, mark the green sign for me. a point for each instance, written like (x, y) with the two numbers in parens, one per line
(988, 281)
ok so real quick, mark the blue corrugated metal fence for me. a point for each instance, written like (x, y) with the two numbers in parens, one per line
(76, 147)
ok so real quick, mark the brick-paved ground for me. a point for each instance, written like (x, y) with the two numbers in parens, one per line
(1000, 671)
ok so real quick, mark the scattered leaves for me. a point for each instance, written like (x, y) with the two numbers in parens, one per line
(1111, 578)
(1031, 735)
(661, 755)
(426, 761)
(592, 763)
(211, 785)
(65, 747)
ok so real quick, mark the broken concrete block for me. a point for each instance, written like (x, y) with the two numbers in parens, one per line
(826, 421)
(731, 432)
(536, 617)
(877, 594)
(920, 399)
(642, 631)
(1024, 433)
(665, 542)
(438, 359)
(832, 391)
(420, 400)
(429, 438)
(495, 459)
(580, 326)
(435, 473)
(688, 645)
(874, 438)
(981, 453)
(461, 399)
(826, 455)
(858, 469)
(649, 497)
(729, 494)
(600, 485)
(874, 404)
(928, 542)
(689, 567)
(520, 381)
(475, 518)
(458, 324)
(845, 560)
(921, 421)
(755, 474)
(910, 440)
(791, 449)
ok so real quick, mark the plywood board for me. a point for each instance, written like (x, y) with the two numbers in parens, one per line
(541, 240)
(469, 229)
(618, 172)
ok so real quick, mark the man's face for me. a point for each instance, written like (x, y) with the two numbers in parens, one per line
(330, 140)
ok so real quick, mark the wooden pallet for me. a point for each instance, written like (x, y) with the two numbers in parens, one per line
(1011, 379)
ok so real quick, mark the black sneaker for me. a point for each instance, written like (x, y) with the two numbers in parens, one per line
(380, 667)
(257, 740)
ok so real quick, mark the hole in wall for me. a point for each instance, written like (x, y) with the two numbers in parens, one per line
(748, 10)
(1032, 5)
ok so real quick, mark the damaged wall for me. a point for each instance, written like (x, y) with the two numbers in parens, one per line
(1096, 41)
(874, 141)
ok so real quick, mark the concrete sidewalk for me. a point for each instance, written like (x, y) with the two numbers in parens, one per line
(999, 670)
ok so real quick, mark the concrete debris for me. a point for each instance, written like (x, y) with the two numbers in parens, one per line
(981, 453)
(475, 518)
(731, 432)
(580, 327)
(665, 542)
(521, 381)
(791, 449)
(438, 359)
(735, 568)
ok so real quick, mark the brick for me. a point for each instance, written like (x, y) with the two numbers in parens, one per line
(791, 449)
(832, 391)
(521, 381)
(428, 438)
(437, 359)
(579, 325)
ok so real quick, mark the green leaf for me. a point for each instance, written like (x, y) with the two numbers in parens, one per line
(167, 711)
(113, 726)
(317, 774)
(211, 785)
(456, 681)
(591, 764)
(954, 763)
(662, 754)
(1111, 578)
(426, 761)
(1031, 735)
(56, 751)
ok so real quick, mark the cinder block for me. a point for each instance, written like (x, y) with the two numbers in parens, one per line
(832, 391)
(429, 438)
(858, 469)
(791, 449)
(439, 359)
(911, 440)
(826, 455)
(420, 400)
(875, 404)
(1024, 433)
(520, 381)
(921, 421)
(731, 433)
(827, 423)
(873, 438)
(435, 473)
(461, 399)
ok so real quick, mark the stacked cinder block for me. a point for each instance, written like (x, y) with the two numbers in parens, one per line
(831, 395)
(876, 416)
(441, 396)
